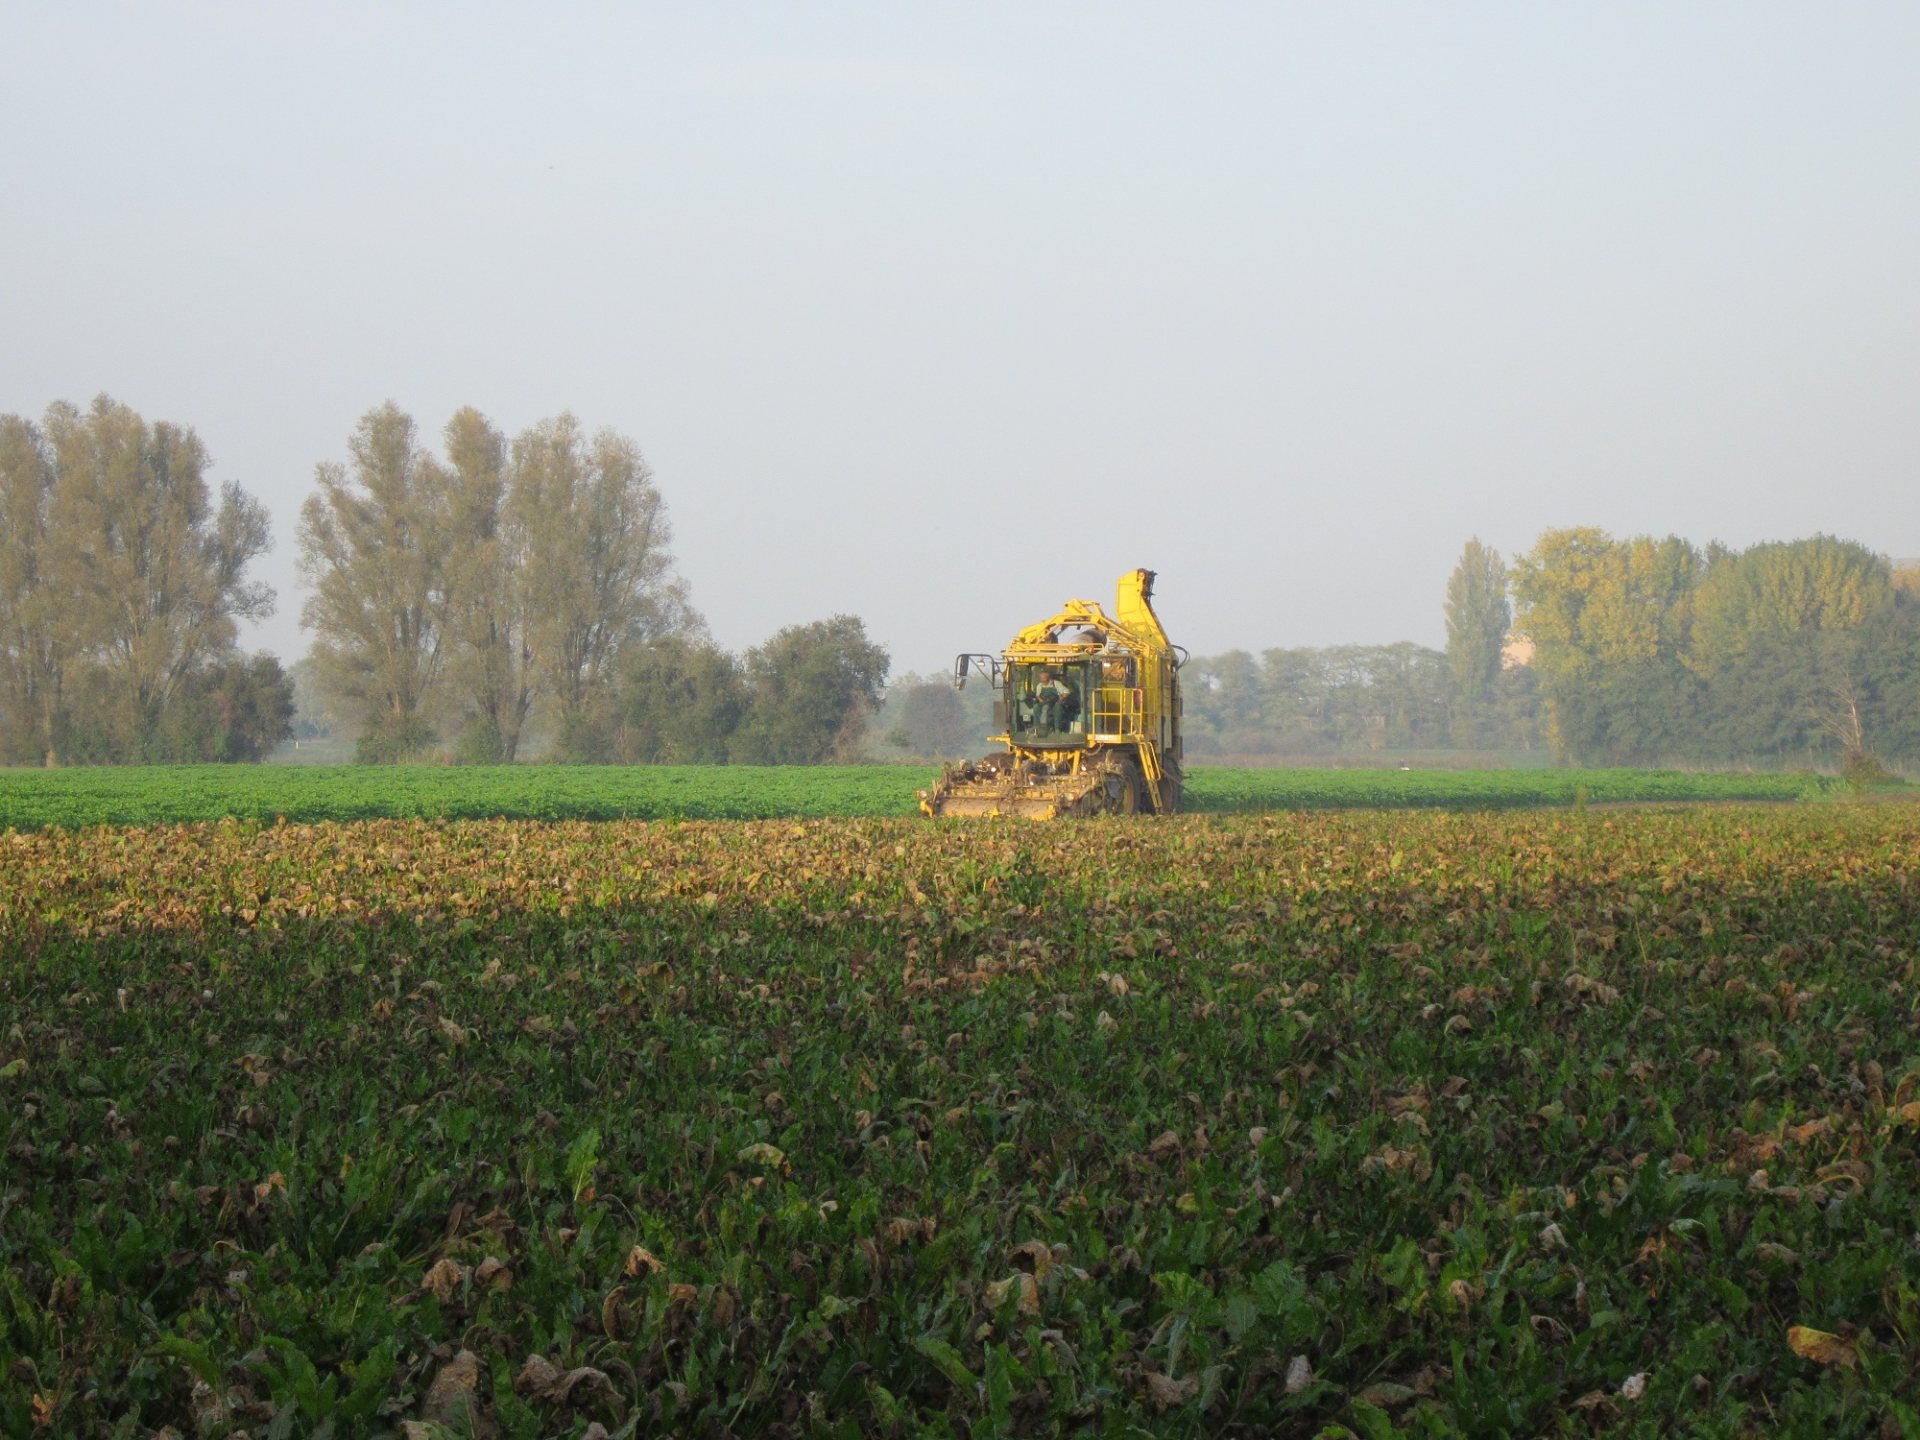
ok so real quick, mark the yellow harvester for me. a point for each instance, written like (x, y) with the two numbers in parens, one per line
(1089, 710)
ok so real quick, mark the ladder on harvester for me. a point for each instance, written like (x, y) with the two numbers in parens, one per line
(1151, 768)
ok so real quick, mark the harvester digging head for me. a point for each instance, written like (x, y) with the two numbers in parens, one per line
(1034, 789)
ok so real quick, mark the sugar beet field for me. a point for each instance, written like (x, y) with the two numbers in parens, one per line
(1327, 1123)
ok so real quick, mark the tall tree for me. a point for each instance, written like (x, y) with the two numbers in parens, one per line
(1795, 639)
(491, 663)
(680, 701)
(374, 541)
(1793, 587)
(503, 581)
(1552, 585)
(1610, 622)
(234, 710)
(600, 573)
(154, 573)
(1479, 615)
(1587, 599)
(813, 688)
(32, 653)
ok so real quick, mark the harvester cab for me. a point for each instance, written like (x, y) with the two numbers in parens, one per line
(1087, 707)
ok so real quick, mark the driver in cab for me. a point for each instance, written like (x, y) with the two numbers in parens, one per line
(1056, 703)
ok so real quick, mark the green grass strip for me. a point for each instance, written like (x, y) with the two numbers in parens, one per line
(35, 800)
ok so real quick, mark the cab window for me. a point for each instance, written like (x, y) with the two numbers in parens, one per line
(1049, 701)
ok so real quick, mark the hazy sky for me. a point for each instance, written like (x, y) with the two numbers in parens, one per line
(941, 313)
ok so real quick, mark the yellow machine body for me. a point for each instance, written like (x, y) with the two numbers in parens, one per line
(1088, 710)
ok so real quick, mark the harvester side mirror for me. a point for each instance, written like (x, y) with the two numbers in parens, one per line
(988, 665)
(999, 716)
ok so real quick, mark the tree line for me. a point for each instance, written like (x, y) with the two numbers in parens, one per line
(1345, 698)
(1342, 699)
(1607, 652)
(462, 600)
(1653, 648)
(502, 597)
(122, 581)
(462, 604)
(458, 595)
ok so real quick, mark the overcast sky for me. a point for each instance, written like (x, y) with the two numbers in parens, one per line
(941, 313)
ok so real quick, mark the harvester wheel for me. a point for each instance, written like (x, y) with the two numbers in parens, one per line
(1120, 788)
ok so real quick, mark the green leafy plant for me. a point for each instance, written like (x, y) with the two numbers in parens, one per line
(1435, 1122)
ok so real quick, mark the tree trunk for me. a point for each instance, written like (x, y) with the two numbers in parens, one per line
(46, 737)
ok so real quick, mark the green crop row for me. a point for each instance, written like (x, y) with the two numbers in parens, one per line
(32, 799)
(1549, 1123)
